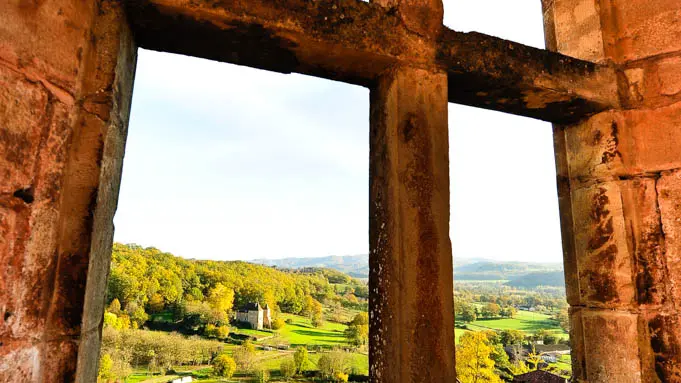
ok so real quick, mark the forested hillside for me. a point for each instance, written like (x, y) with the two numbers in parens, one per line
(144, 281)
(356, 266)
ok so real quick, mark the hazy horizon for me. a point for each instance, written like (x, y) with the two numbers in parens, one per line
(228, 162)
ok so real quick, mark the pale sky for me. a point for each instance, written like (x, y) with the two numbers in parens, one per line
(227, 162)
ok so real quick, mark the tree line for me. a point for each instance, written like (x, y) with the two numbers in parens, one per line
(195, 293)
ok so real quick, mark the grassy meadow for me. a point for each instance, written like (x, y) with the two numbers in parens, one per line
(526, 321)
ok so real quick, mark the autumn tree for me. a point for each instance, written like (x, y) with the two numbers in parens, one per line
(221, 299)
(332, 366)
(491, 310)
(244, 356)
(563, 319)
(473, 359)
(533, 359)
(224, 365)
(287, 369)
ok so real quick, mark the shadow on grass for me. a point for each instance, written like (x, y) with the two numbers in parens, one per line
(318, 334)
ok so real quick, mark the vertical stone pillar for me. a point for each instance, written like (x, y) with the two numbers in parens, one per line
(66, 72)
(411, 288)
(619, 178)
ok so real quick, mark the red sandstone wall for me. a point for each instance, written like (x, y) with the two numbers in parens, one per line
(618, 176)
(66, 71)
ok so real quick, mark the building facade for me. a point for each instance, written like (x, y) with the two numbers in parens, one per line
(256, 316)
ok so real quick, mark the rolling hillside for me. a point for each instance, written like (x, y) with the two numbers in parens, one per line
(520, 274)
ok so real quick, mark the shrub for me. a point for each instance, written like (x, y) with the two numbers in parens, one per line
(105, 365)
(262, 375)
(222, 332)
(224, 365)
(278, 324)
(288, 321)
(210, 331)
(332, 366)
(288, 369)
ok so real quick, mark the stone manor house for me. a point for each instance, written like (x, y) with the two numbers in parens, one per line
(255, 315)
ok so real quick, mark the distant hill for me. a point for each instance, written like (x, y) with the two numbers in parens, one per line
(494, 270)
(540, 278)
(357, 266)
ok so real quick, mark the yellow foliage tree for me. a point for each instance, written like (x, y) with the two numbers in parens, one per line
(473, 361)
(221, 299)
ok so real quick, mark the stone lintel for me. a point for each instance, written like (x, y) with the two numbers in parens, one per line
(355, 42)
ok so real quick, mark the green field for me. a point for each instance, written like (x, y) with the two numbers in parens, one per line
(526, 321)
(300, 332)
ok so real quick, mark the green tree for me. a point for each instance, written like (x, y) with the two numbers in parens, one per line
(509, 312)
(301, 359)
(465, 312)
(511, 337)
(473, 359)
(224, 365)
(357, 332)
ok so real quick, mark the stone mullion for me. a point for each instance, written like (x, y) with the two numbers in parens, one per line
(411, 297)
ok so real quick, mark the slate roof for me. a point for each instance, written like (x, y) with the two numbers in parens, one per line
(251, 307)
(539, 376)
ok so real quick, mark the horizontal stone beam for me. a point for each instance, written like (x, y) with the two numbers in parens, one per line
(345, 40)
(497, 74)
(354, 42)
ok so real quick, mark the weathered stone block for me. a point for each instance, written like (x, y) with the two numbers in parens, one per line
(669, 76)
(646, 240)
(19, 362)
(669, 191)
(593, 147)
(566, 222)
(603, 258)
(661, 347)
(23, 118)
(577, 343)
(650, 139)
(625, 143)
(611, 346)
(646, 28)
(578, 29)
(62, 368)
(53, 156)
(48, 38)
